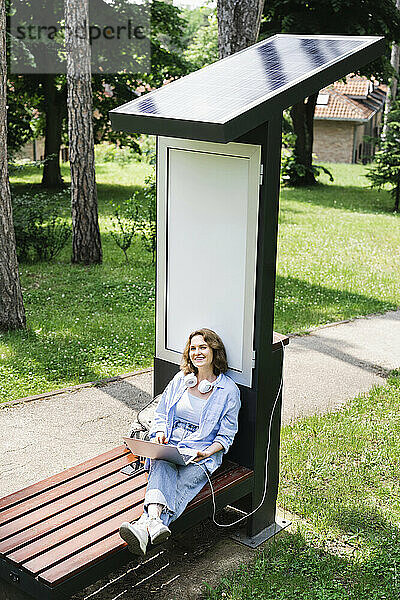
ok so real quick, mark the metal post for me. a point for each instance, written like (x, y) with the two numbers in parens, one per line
(259, 401)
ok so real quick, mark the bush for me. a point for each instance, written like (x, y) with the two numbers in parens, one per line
(148, 224)
(144, 151)
(136, 215)
(121, 155)
(386, 167)
(293, 172)
(147, 144)
(125, 223)
(39, 230)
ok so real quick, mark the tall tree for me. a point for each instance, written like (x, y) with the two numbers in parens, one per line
(20, 114)
(54, 104)
(86, 242)
(238, 24)
(347, 17)
(46, 94)
(392, 88)
(12, 314)
(386, 166)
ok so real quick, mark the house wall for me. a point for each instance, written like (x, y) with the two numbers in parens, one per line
(333, 141)
(27, 150)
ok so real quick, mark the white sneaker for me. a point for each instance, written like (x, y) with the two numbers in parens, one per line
(157, 530)
(136, 535)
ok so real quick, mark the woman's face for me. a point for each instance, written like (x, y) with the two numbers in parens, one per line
(200, 352)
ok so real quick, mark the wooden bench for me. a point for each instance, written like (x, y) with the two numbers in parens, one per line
(61, 534)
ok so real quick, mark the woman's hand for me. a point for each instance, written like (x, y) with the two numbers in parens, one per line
(160, 438)
(202, 454)
(207, 452)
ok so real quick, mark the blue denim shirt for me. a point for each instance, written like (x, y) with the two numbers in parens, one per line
(218, 419)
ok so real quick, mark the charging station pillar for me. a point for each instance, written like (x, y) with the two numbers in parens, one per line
(260, 434)
(237, 103)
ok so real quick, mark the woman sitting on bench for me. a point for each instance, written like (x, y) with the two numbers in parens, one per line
(186, 417)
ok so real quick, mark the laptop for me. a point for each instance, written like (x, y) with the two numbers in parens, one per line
(161, 451)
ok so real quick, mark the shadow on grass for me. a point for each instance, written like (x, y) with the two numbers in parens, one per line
(36, 188)
(300, 305)
(108, 193)
(60, 362)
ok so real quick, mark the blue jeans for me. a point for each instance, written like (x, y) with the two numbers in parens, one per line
(174, 486)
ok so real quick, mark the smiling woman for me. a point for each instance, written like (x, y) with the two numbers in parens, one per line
(197, 413)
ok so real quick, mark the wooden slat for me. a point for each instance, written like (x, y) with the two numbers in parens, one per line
(50, 482)
(82, 540)
(26, 512)
(65, 536)
(89, 556)
(61, 519)
(225, 480)
(58, 573)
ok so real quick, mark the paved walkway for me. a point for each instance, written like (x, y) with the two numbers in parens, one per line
(322, 370)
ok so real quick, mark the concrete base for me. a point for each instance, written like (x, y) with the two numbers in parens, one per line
(263, 536)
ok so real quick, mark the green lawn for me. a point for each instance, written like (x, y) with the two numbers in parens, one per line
(338, 258)
(84, 323)
(338, 252)
(340, 476)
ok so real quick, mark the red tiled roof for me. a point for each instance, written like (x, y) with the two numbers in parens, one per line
(355, 85)
(342, 107)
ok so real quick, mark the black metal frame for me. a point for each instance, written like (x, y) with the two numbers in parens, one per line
(22, 581)
(249, 448)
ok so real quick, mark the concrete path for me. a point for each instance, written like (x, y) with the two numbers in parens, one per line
(334, 363)
(322, 370)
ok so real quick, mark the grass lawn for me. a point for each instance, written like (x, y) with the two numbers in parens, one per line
(338, 258)
(338, 252)
(84, 323)
(340, 476)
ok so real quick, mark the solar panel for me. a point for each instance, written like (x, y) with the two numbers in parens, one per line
(234, 95)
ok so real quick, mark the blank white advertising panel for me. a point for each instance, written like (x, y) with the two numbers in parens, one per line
(206, 248)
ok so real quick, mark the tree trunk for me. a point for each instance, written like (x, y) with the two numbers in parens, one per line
(12, 313)
(55, 111)
(302, 115)
(392, 88)
(86, 243)
(238, 24)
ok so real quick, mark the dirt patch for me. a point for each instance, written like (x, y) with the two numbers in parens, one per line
(179, 570)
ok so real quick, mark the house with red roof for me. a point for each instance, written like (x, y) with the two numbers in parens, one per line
(347, 115)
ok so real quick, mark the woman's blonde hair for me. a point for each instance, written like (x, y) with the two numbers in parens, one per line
(220, 363)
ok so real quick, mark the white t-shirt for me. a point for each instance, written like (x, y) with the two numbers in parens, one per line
(189, 408)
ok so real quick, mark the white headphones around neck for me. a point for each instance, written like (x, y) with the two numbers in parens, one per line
(204, 387)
